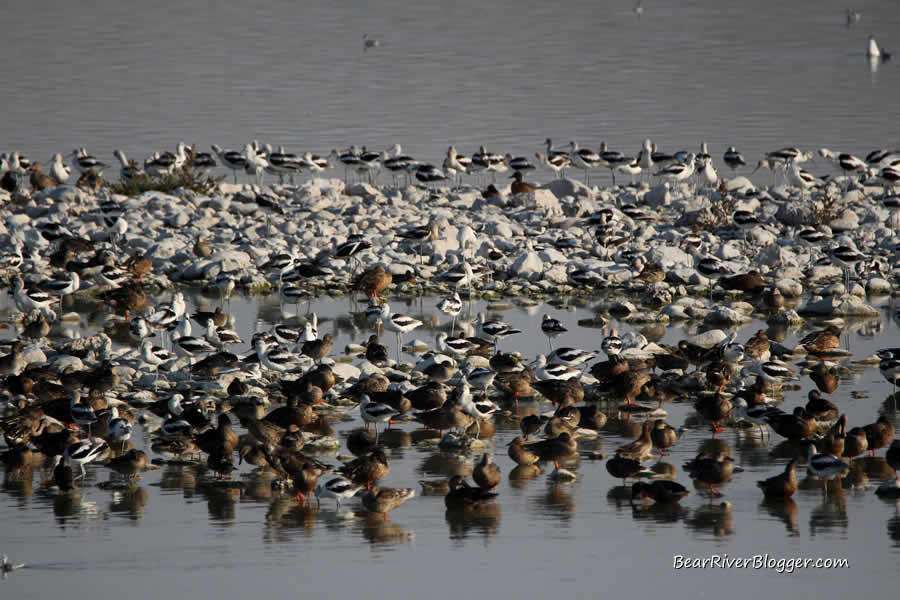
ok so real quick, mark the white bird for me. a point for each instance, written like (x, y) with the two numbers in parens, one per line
(545, 371)
(493, 330)
(825, 466)
(58, 168)
(451, 307)
(400, 324)
(571, 357)
(612, 344)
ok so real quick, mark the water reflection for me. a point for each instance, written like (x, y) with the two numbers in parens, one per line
(483, 521)
(220, 501)
(783, 509)
(831, 514)
(715, 519)
(379, 530)
(658, 512)
(129, 503)
(557, 502)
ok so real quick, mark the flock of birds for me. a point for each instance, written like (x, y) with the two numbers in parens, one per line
(257, 160)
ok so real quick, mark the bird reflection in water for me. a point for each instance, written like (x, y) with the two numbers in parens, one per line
(716, 519)
(521, 475)
(445, 465)
(831, 515)
(179, 477)
(484, 521)
(379, 530)
(783, 509)
(129, 502)
(220, 501)
(557, 502)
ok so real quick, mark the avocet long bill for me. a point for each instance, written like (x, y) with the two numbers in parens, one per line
(612, 344)
(119, 428)
(481, 377)
(825, 466)
(545, 371)
(85, 451)
(494, 329)
(571, 357)
(584, 159)
(451, 307)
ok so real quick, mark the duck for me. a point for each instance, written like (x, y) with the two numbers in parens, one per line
(623, 468)
(556, 449)
(373, 281)
(429, 396)
(821, 409)
(486, 473)
(758, 347)
(661, 491)
(711, 470)
(561, 392)
(129, 464)
(318, 349)
(531, 424)
(368, 469)
(384, 500)
(663, 436)
(463, 496)
(639, 449)
(822, 341)
(825, 376)
(834, 439)
(522, 454)
(797, 425)
(592, 417)
(855, 443)
(714, 408)
(782, 485)
(519, 186)
(517, 383)
(376, 352)
(879, 434)
(628, 383)
(303, 470)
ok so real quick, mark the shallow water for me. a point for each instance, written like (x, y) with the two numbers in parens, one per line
(176, 532)
(505, 74)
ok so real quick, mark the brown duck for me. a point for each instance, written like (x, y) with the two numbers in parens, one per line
(486, 473)
(556, 449)
(662, 491)
(561, 392)
(825, 376)
(855, 443)
(782, 485)
(797, 425)
(639, 449)
(663, 436)
(821, 409)
(367, 470)
(757, 347)
(384, 500)
(879, 434)
(714, 408)
(463, 496)
(711, 471)
(521, 454)
(823, 340)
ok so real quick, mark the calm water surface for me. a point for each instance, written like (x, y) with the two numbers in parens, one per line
(506, 74)
(577, 538)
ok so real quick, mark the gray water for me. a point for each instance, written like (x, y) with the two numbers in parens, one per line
(758, 75)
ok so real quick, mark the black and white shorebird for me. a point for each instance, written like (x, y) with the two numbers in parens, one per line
(585, 159)
(545, 371)
(231, 159)
(552, 328)
(271, 356)
(118, 427)
(451, 307)
(85, 451)
(30, 300)
(453, 345)
(375, 412)
(62, 287)
(400, 324)
(82, 413)
(190, 346)
(84, 162)
(339, 488)
(713, 268)
(481, 377)
(774, 371)
(571, 357)
(612, 344)
(825, 466)
(493, 330)
(847, 257)
(733, 158)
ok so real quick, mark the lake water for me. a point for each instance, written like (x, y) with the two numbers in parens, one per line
(757, 75)
(575, 538)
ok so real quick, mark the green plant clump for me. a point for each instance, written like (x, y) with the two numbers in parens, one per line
(187, 177)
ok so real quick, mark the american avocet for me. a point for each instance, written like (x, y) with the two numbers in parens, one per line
(190, 347)
(613, 159)
(272, 357)
(119, 428)
(493, 329)
(339, 488)
(800, 177)
(396, 162)
(890, 176)
(369, 43)
(558, 164)
(62, 287)
(519, 163)
(255, 164)
(545, 371)
(571, 357)
(612, 344)
(713, 269)
(58, 169)
(824, 466)
(400, 324)
(847, 257)
(631, 168)
(733, 158)
(678, 171)
(84, 162)
(30, 300)
(451, 307)
(85, 451)
(427, 173)
(232, 159)
(128, 170)
(453, 166)
(584, 158)
(493, 162)
(552, 325)
(374, 413)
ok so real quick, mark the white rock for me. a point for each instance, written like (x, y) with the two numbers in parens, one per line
(877, 286)
(528, 265)
(346, 370)
(658, 196)
(842, 306)
(671, 257)
(789, 288)
(708, 339)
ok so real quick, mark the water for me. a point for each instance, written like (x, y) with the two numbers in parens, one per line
(757, 75)
(176, 532)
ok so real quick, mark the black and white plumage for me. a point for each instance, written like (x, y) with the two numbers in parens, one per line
(545, 371)
(30, 300)
(571, 357)
(480, 408)
(118, 427)
(800, 177)
(353, 246)
(678, 171)
(733, 158)
(494, 329)
(175, 426)
(519, 163)
(558, 163)
(759, 414)
(375, 412)
(401, 324)
(890, 370)
(427, 173)
(551, 325)
(191, 346)
(82, 414)
(825, 466)
(287, 336)
(453, 345)
(339, 488)
(85, 162)
(273, 357)
(113, 276)
(810, 236)
(584, 159)
(774, 371)
(232, 159)
(745, 219)
(612, 344)
(481, 377)
(713, 268)
(85, 451)
(451, 306)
